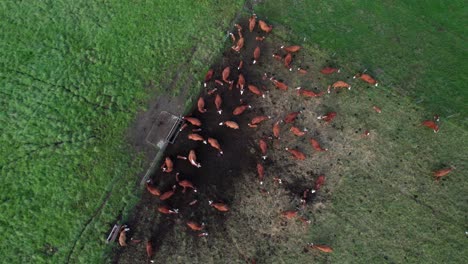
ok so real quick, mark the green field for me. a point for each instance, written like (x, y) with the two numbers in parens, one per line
(385, 207)
(417, 49)
(73, 75)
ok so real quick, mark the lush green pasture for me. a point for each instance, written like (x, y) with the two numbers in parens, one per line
(415, 48)
(72, 76)
(383, 205)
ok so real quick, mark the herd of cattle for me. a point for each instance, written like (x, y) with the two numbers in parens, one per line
(225, 81)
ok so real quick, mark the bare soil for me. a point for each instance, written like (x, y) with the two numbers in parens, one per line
(253, 229)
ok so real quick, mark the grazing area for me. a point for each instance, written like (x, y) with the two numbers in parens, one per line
(365, 188)
(418, 49)
(73, 76)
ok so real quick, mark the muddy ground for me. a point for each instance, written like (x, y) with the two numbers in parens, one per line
(253, 229)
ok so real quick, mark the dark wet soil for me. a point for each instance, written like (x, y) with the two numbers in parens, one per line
(215, 179)
(220, 174)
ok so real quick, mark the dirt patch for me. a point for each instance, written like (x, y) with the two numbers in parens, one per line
(215, 179)
(254, 227)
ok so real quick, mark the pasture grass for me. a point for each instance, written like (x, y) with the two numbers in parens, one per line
(416, 49)
(380, 203)
(73, 75)
(383, 204)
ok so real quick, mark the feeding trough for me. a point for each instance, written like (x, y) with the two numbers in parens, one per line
(164, 130)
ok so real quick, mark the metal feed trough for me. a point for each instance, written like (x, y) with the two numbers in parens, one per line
(164, 130)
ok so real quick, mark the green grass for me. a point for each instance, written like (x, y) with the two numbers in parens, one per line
(415, 49)
(381, 203)
(73, 75)
(384, 206)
